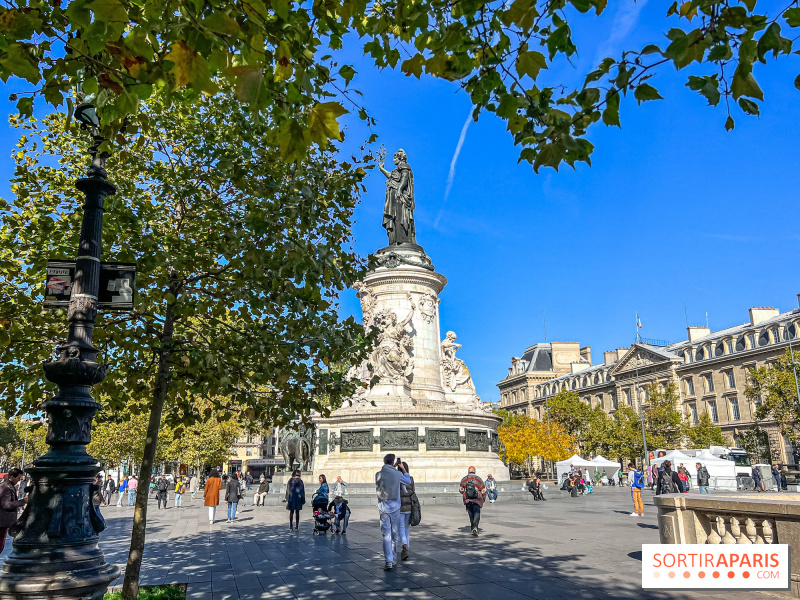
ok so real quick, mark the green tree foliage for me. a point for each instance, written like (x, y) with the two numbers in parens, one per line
(756, 442)
(664, 424)
(241, 257)
(773, 390)
(281, 57)
(206, 443)
(705, 433)
(573, 414)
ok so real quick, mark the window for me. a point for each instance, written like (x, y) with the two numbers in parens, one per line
(690, 387)
(709, 383)
(628, 397)
(776, 335)
(614, 401)
(712, 408)
(752, 339)
(731, 380)
(734, 408)
(249, 452)
(729, 346)
(693, 410)
(688, 356)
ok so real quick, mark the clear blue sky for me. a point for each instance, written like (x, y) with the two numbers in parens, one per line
(674, 211)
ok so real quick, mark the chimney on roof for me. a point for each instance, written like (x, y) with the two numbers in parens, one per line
(610, 357)
(798, 299)
(760, 314)
(698, 333)
(586, 354)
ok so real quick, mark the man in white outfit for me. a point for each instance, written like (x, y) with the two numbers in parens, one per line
(387, 486)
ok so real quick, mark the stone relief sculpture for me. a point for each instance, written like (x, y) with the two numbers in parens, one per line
(427, 307)
(391, 359)
(368, 301)
(398, 208)
(455, 374)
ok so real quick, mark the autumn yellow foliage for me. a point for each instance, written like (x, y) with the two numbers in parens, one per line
(523, 439)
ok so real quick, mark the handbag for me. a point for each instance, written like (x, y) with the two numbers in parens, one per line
(416, 511)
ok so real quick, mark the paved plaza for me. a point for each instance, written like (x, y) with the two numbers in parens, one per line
(572, 548)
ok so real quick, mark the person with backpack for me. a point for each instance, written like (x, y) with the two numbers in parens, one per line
(636, 478)
(162, 485)
(180, 489)
(473, 492)
(758, 482)
(668, 480)
(406, 500)
(702, 478)
(233, 493)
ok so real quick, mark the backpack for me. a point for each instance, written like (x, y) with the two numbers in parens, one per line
(470, 491)
(416, 511)
(638, 479)
(667, 485)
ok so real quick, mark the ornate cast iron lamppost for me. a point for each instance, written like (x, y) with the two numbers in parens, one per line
(56, 552)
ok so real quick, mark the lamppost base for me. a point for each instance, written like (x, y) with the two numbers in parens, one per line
(86, 584)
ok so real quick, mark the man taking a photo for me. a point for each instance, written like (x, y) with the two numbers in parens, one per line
(473, 491)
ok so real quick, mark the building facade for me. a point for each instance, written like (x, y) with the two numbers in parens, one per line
(253, 453)
(710, 370)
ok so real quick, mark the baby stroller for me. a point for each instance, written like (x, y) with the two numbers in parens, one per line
(322, 518)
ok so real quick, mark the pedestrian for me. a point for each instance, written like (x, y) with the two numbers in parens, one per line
(654, 472)
(341, 510)
(108, 490)
(233, 489)
(211, 494)
(133, 485)
(406, 492)
(619, 476)
(122, 487)
(473, 492)
(776, 474)
(295, 499)
(491, 488)
(683, 476)
(180, 490)
(668, 481)
(162, 485)
(537, 479)
(636, 477)
(9, 504)
(260, 496)
(387, 488)
(249, 480)
(758, 481)
(784, 478)
(97, 487)
(194, 485)
(703, 478)
(322, 490)
(339, 487)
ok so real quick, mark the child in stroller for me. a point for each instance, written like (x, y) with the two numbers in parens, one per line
(322, 518)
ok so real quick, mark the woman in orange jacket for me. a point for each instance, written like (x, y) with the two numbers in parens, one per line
(211, 494)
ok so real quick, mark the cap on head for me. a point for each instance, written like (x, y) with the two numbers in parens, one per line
(472, 469)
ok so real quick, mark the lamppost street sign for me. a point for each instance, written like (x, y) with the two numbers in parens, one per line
(117, 285)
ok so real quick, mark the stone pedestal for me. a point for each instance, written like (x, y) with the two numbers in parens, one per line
(438, 432)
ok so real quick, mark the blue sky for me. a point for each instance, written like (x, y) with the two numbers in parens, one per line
(674, 212)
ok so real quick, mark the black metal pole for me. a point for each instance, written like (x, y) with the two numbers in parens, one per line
(56, 552)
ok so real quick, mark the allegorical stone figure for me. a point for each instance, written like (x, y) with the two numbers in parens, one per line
(391, 359)
(455, 373)
(398, 210)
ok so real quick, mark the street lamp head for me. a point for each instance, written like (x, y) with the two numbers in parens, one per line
(86, 115)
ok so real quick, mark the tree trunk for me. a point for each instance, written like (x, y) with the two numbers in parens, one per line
(130, 588)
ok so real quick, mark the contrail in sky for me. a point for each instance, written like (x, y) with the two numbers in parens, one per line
(452, 174)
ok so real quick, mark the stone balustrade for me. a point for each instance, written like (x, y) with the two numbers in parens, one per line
(732, 519)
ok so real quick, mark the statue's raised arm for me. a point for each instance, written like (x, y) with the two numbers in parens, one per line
(401, 324)
(398, 208)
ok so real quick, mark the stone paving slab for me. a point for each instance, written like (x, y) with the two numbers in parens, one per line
(585, 548)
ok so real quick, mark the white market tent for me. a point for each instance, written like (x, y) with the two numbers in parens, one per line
(722, 472)
(564, 466)
(609, 467)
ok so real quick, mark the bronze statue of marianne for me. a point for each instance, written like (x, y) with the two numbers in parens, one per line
(398, 210)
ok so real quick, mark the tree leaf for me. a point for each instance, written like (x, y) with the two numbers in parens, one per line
(645, 92)
(189, 66)
(729, 124)
(748, 106)
(323, 124)
(20, 62)
(611, 111)
(413, 65)
(744, 84)
(530, 63)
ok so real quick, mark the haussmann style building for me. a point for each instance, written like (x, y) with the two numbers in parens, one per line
(710, 370)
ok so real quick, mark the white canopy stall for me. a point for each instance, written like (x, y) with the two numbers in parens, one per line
(722, 472)
(563, 466)
(603, 465)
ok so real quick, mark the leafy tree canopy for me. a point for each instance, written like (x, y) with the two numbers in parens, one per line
(280, 55)
(704, 433)
(774, 391)
(524, 439)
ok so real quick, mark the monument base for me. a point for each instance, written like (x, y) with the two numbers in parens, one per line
(438, 440)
